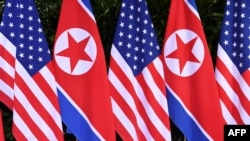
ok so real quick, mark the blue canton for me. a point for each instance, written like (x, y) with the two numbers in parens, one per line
(235, 36)
(22, 26)
(135, 37)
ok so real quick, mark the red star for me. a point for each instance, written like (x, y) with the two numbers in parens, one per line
(184, 52)
(75, 51)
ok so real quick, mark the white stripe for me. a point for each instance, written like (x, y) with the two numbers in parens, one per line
(7, 67)
(139, 91)
(21, 125)
(234, 71)
(232, 96)
(159, 67)
(226, 114)
(189, 113)
(7, 45)
(87, 10)
(130, 101)
(190, 6)
(159, 96)
(7, 90)
(38, 120)
(125, 94)
(48, 76)
(36, 90)
(79, 111)
(124, 119)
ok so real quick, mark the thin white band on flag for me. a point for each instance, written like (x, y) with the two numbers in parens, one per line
(195, 12)
(234, 71)
(130, 101)
(159, 66)
(7, 90)
(38, 120)
(10, 47)
(159, 96)
(7, 67)
(80, 111)
(140, 94)
(232, 95)
(38, 93)
(87, 10)
(48, 76)
(121, 116)
(226, 114)
(26, 130)
(189, 113)
(121, 89)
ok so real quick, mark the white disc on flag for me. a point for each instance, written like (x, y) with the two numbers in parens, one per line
(79, 65)
(197, 51)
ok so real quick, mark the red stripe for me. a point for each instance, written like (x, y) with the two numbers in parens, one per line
(52, 97)
(6, 100)
(118, 98)
(246, 76)
(148, 94)
(129, 113)
(233, 84)
(18, 134)
(229, 105)
(48, 92)
(122, 131)
(7, 56)
(6, 77)
(157, 78)
(141, 109)
(18, 107)
(161, 85)
(37, 105)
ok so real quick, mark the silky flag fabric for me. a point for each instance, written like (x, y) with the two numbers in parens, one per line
(191, 86)
(81, 74)
(26, 72)
(136, 76)
(233, 63)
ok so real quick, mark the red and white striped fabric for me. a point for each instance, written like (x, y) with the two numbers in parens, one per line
(27, 77)
(136, 76)
(7, 73)
(233, 63)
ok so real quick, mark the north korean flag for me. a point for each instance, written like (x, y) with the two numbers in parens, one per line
(81, 74)
(192, 92)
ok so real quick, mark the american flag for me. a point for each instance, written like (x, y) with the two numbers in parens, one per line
(233, 62)
(136, 76)
(27, 73)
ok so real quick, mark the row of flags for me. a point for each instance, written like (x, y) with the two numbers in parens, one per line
(145, 86)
